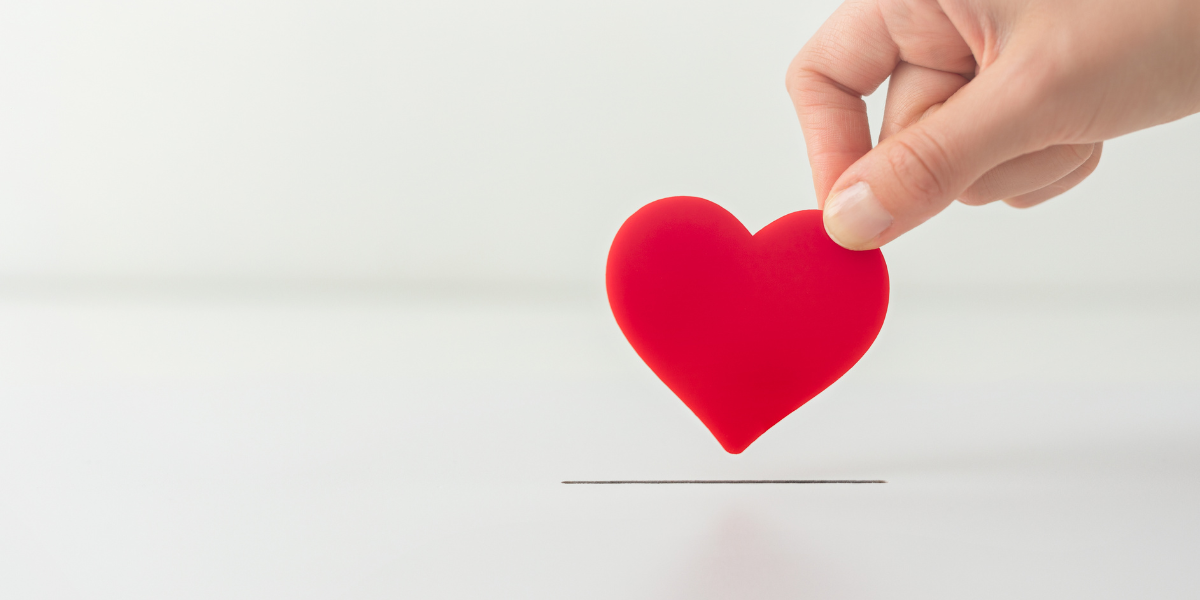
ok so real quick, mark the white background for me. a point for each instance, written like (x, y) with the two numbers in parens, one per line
(304, 300)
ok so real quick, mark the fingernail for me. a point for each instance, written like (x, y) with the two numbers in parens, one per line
(854, 217)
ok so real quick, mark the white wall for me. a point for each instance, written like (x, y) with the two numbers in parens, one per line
(469, 141)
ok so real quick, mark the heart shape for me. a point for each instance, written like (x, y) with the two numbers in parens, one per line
(744, 328)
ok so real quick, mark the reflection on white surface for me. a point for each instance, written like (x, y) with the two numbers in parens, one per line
(740, 555)
(375, 447)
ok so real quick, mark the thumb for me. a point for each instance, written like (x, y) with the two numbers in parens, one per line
(917, 172)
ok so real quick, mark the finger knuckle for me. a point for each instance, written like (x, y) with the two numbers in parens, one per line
(804, 79)
(801, 82)
(912, 159)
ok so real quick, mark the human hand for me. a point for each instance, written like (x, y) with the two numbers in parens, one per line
(988, 100)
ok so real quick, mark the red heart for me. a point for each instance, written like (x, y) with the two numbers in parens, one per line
(743, 328)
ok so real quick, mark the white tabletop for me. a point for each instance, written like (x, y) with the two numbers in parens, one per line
(1036, 443)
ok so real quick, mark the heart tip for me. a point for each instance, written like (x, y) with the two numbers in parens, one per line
(737, 444)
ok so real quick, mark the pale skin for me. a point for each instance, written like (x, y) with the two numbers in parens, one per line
(989, 100)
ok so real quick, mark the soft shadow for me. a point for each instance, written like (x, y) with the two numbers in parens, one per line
(743, 556)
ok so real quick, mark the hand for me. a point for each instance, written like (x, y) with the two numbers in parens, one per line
(989, 100)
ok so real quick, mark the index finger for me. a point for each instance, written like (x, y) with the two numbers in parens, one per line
(848, 58)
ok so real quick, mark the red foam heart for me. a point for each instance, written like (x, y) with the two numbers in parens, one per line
(743, 328)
